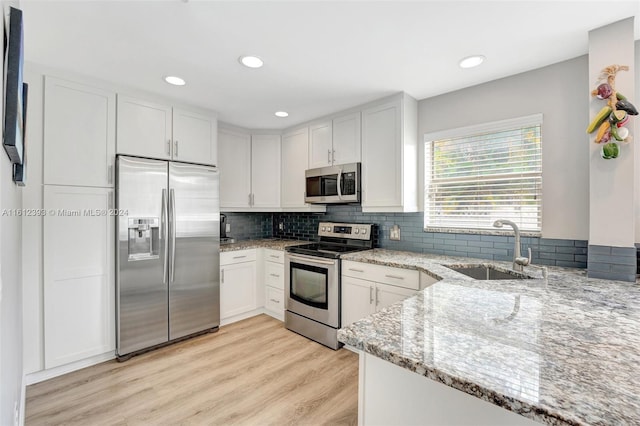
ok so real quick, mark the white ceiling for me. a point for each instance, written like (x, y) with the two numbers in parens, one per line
(320, 56)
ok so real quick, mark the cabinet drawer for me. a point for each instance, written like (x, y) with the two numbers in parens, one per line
(274, 299)
(406, 278)
(274, 255)
(274, 275)
(238, 256)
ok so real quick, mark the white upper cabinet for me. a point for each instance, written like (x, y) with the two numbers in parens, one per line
(234, 149)
(156, 130)
(320, 145)
(79, 134)
(194, 137)
(265, 171)
(249, 170)
(144, 128)
(390, 156)
(335, 141)
(346, 139)
(295, 147)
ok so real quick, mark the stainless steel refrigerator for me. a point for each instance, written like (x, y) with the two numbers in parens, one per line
(168, 252)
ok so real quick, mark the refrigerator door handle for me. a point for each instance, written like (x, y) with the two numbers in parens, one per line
(172, 227)
(165, 235)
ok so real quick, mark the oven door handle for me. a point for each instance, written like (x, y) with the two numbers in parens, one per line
(312, 260)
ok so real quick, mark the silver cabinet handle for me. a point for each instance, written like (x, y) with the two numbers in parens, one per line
(377, 298)
(110, 174)
(172, 226)
(333, 156)
(175, 150)
(394, 277)
(239, 257)
(329, 156)
(169, 147)
(253, 199)
(275, 275)
(275, 301)
(370, 294)
(274, 256)
(222, 276)
(249, 199)
(110, 200)
(356, 270)
(163, 224)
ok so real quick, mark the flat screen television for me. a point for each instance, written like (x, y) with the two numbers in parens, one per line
(13, 137)
(20, 169)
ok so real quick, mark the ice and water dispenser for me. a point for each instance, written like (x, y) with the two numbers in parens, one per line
(144, 238)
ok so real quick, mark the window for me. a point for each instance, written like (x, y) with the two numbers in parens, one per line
(476, 175)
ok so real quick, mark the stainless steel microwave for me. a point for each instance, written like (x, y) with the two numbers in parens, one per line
(333, 184)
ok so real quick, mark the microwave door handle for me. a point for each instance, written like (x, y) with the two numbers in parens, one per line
(340, 184)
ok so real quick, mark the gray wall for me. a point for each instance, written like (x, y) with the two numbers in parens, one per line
(560, 93)
(10, 289)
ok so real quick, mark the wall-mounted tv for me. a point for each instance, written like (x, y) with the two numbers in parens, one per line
(20, 169)
(13, 137)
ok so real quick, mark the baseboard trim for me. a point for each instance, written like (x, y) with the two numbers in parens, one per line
(23, 398)
(41, 376)
(242, 316)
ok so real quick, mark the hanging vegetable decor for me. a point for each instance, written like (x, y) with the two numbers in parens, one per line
(611, 119)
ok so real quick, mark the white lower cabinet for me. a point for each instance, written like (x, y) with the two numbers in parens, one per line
(367, 288)
(79, 286)
(237, 283)
(274, 283)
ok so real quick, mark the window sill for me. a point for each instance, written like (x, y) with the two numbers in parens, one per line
(508, 233)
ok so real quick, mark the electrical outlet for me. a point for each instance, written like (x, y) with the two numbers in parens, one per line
(281, 226)
(228, 228)
(394, 233)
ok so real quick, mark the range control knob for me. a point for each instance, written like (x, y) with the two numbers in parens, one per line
(363, 231)
(323, 229)
(357, 231)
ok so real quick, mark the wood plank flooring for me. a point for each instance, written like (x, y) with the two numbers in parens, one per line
(253, 372)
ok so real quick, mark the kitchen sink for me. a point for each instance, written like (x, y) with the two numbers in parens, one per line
(488, 272)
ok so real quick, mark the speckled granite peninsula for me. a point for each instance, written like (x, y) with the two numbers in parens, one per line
(269, 243)
(561, 351)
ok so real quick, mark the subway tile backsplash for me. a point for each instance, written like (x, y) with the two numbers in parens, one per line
(304, 226)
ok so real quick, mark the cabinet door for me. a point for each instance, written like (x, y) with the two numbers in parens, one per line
(265, 171)
(346, 139)
(79, 134)
(381, 151)
(320, 145)
(144, 128)
(388, 295)
(194, 137)
(237, 289)
(295, 151)
(357, 299)
(79, 289)
(234, 153)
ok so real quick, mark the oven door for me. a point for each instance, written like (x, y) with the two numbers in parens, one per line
(313, 288)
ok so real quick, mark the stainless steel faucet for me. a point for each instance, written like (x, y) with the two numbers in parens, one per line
(518, 260)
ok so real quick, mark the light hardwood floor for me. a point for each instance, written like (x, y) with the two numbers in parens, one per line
(253, 372)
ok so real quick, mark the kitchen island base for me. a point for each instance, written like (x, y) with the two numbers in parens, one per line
(389, 394)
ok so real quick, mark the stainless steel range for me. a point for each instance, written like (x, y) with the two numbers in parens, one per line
(312, 277)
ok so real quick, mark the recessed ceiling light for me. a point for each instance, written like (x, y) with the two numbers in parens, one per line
(472, 61)
(282, 114)
(251, 61)
(176, 81)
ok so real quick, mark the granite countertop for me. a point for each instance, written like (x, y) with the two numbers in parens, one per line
(565, 350)
(270, 243)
